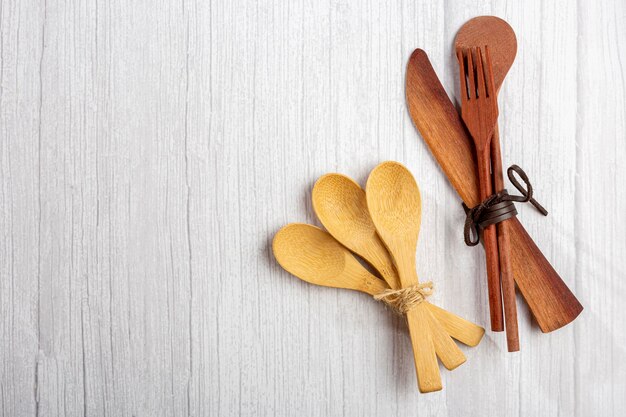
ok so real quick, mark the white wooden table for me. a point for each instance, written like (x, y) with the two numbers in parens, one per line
(149, 152)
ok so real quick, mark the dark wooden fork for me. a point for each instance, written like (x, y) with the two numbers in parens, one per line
(479, 110)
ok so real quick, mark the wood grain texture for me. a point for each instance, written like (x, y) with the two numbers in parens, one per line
(149, 152)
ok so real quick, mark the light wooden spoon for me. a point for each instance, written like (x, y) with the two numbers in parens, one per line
(341, 206)
(313, 255)
(394, 204)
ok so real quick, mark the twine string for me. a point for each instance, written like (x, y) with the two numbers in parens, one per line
(404, 299)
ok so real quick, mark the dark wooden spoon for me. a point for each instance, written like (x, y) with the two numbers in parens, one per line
(500, 38)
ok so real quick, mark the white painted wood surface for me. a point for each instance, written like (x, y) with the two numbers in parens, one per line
(149, 151)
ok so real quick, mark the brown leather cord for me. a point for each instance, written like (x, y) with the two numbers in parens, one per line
(498, 207)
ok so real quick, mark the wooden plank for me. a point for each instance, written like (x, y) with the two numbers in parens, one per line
(599, 372)
(537, 126)
(20, 93)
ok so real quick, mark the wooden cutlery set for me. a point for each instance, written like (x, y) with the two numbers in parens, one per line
(381, 224)
(551, 302)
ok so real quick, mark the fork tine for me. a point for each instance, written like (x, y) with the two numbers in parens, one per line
(471, 90)
(462, 75)
(490, 82)
(482, 92)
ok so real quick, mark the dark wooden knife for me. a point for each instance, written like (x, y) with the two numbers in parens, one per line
(550, 300)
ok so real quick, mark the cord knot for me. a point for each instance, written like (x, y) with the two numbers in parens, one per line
(498, 207)
(405, 299)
